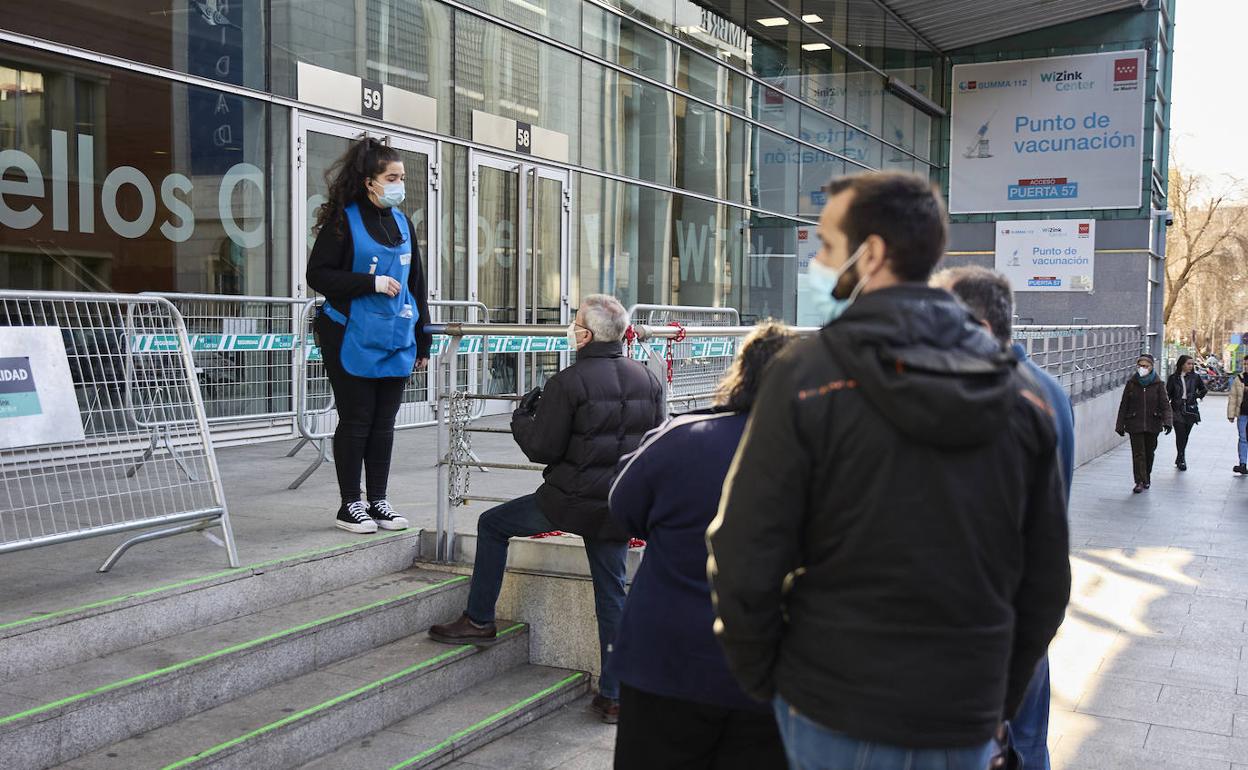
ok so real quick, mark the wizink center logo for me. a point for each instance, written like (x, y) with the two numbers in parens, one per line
(18, 397)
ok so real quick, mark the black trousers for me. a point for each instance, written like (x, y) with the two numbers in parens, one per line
(661, 733)
(1143, 449)
(1182, 432)
(366, 411)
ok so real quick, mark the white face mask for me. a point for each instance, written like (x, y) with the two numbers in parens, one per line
(572, 337)
(392, 194)
(1144, 371)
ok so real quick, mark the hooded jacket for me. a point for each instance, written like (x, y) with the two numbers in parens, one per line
(891, 551)
(589, 416)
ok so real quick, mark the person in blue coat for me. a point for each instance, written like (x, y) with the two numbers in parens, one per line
(371, 327)
(679, 705)
(988, 295)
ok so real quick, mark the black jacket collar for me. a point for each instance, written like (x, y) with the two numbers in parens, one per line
(601, 350)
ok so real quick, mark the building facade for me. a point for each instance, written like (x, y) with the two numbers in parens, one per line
(666, 151)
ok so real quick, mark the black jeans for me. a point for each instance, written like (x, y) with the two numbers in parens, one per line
(1182, 431)
(661, 733)
(366, 411)
(1143, 448)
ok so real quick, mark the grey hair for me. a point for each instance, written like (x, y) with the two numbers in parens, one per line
(605, 317)
(985, 292)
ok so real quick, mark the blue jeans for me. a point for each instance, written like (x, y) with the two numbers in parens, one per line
(811, 746)
(1241, 423)
(1029, 729)
(521, 518)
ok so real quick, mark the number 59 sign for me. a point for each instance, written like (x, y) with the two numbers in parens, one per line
(371, 99)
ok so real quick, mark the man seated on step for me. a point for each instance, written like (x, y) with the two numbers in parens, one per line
(589, 415)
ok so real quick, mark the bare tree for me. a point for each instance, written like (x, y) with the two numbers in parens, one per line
(1210, 232)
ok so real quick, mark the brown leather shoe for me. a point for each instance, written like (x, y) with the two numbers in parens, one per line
(464, 631)
(606, 708)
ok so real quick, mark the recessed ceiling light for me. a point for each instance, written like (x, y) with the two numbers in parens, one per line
(812, 18)
(774, 21)
(816, 47)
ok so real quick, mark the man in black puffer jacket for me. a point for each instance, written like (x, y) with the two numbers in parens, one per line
(890, 558)
(590, 415)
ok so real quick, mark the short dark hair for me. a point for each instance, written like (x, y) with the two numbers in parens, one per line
(903, 209)
(986, 292)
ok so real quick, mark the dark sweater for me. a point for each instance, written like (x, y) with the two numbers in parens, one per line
(333, 254)
(667, 492)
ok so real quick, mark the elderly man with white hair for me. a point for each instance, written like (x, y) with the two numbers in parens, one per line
(590, 415)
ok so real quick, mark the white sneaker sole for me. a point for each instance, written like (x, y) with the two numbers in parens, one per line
(398, 522)
(359, 529)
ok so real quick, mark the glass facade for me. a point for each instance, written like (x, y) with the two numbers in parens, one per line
(694, 142)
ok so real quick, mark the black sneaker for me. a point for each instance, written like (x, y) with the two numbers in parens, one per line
(385, 516)
(1240, 469)
(353, 517)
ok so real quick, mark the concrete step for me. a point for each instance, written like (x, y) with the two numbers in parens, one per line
(294, 722)
(87, 705)
(55, 637)
(440, 734)
(571, 737)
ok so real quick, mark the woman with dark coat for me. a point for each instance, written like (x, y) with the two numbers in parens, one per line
(680, 707)
(1184, 389)
(1144, 412)
(371, 327)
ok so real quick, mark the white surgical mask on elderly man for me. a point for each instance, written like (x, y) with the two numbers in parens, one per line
(1143, 371)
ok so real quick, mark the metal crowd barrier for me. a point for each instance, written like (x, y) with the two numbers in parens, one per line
(454, 445)
(146, 458)
(246, 350)
(1086, 360)
(316, 417)
(696, 369)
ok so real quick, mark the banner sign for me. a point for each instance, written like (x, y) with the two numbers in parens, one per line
(1050, 134)
(38, 404)
(710, 347)
(1047, 254)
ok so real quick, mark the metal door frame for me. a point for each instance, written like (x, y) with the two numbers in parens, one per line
(525, 234)
(301, 125)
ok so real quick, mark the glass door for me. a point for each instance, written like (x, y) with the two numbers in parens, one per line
(319, 143)
(518, 265)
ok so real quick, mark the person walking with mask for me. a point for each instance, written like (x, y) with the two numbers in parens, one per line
(1144, 412)
(1185, 390)
(680, 708)
(371, 327)
(1237, 413)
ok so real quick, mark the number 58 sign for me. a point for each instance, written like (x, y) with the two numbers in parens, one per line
(524, 138)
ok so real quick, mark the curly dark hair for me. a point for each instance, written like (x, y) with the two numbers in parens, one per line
(739, 386)
(365, 159)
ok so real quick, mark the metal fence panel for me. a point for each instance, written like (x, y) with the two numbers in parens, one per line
(1086, 360)
(146, 459)
(695, 370)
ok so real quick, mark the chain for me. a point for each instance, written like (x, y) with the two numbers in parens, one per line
(459, 412)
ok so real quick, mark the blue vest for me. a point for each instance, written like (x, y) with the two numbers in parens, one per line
(380, 339)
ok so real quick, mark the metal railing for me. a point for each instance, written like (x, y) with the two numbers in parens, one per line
(145, 458)
(1086, 360)
(316, 416)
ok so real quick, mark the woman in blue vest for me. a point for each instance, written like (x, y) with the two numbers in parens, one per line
(371, 326)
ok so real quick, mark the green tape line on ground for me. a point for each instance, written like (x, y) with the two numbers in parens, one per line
(513, 708)
(220, 747)
(226, 651)
(184, 583)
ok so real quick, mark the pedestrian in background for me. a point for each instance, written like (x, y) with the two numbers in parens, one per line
(680, 708)
(1237, 413)
(1144, 413)
(1185, 390)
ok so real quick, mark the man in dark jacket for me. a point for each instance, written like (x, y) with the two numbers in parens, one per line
(890, 559)
(590, 415)
(988, 295)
